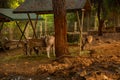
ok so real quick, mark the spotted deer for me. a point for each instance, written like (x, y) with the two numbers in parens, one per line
(50, 44)
(43, 44)
(87, 41)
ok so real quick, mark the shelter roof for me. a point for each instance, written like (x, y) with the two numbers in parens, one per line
(4, 19)
(45, 6)
(8, 14)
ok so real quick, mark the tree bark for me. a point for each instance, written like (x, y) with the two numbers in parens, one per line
(60, 23)
(101, 21)
(100, 27)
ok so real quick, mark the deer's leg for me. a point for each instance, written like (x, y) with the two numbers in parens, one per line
(25, 48)
(48, 52)
(36, 50)
(53, 50)
(30, 51)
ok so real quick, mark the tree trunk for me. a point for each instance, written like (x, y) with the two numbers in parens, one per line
(119, 20)
(4, 4)
(101, 21)
(60, 22)
(100, 27)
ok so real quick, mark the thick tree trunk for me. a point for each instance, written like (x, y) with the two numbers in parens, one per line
(60, 23)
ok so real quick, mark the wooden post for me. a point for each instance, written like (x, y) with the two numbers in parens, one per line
(75, 27)
(10, 33)
(27, 31)
(81, 27)
(78, 18)
(95, 22)
(41, 31)
(36, 21)
(46, 26)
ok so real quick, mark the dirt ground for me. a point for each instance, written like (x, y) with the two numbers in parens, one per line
(102, 62)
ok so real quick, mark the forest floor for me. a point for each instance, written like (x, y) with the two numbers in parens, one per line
(102, 62)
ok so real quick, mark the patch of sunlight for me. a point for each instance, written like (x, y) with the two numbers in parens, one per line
(85, 53)
(75, 52)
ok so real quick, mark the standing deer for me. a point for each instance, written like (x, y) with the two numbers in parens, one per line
(43, 44)
(50, 44)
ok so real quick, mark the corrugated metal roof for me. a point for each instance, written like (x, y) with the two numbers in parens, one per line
(8, 13)
(45, 6)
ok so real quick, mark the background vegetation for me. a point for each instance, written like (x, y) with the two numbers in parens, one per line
(107, 11)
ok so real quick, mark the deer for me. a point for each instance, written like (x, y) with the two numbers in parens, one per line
(45, 43)
(87, 41)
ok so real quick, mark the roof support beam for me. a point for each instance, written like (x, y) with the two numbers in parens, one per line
(23, 32)
(36, 21)
(34, 34)
(20, 29)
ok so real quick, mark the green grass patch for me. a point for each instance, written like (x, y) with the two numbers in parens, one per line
(75, 51)
(21, 57)
(85, 53)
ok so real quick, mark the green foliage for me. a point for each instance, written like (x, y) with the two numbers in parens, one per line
(109, 9)
(71, 17)
(112, 5)
(49, 22)
(15, 3)
(49, 18)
